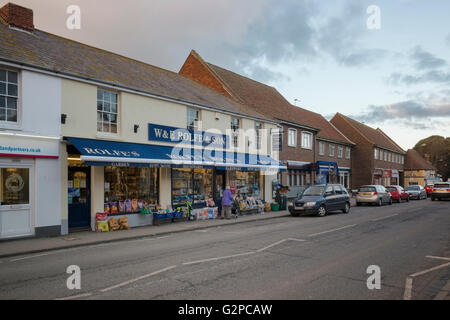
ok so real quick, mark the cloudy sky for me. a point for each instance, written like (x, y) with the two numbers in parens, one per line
(322, 53)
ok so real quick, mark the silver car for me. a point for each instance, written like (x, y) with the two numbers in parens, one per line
(440, 190)
(416, 192)
(374, 194)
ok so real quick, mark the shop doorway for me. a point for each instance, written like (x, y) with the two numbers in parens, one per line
(219, 187)
(79, 181)
(15, 202)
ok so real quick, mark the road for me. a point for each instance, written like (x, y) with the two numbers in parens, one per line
(285, 258)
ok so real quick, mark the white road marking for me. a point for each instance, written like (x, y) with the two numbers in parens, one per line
(429, 270)
(337, 229)
(279, 242)
(440, 258)
(385, 217)
(201, 230)
(444, 292)
(83, 295)
(219, 258)
(30, 257)
(408, 289)
(163, 237)
(137, 279)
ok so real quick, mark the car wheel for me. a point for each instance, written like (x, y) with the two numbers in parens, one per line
(359, 204)
(432, 199)
(390, 201)
(407, 199)
(380, 202)
(399, 200)
(346, 208)
(294, 214)
(322, 211)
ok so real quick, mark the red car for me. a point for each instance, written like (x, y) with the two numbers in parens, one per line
(429, 189)
(398, 193)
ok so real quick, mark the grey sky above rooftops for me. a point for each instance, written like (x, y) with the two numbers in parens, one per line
(320, 52)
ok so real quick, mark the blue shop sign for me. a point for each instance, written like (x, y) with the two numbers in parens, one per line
(180, 135)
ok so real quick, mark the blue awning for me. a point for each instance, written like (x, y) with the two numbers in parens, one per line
(113, 153)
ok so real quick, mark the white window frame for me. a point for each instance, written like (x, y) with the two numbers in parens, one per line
(309, 141)
(117, 113)
(235, 132)
(376, 153)
(385, 156)
(322, 146)
(340, 153)
(259, 126)
(331, 147)
(13, 124)
(348, 153)
(196, 126)
(290, 143)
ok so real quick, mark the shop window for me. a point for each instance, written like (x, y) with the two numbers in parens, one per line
(235, 126)
(9, 94)
(127, 189)
(15, 186)
(292, 138)
(193, 118)
(193, 185)
(107, 111)
(322, 148)
(245, 183)
(307, 140)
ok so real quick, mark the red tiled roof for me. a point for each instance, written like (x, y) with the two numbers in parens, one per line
(376, 136)
(414, 161)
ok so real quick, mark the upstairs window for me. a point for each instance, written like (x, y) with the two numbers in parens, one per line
(307, 140)
(347, 152)
(192, 119)
(340, 152)
(292, 138)
(376, 154)
(235, 126)
(332, 147)
(258, 134)
(321, 148)
(107, 111)
(9, 94)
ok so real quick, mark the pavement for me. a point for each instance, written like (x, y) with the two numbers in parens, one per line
(9, 248)
(281, 258)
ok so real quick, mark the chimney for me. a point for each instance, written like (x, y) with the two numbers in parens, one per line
(17, 16)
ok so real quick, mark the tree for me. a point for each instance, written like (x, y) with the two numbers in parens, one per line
(436, 149)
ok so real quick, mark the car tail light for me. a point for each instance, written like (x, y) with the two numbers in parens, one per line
(448, 189)
(375, 193)
(433, 190)
(357, 193)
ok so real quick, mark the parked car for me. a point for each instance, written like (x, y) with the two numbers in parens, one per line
(321, 199)
(416, 192)
(429, 189)
(440, 191)
(295, 192)
(374, 194)
(398, 193)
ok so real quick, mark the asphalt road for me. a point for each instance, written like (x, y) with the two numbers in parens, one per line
(285, 258)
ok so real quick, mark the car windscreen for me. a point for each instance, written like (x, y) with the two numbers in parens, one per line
(391, 188)
(314, 191)
(367, 189)
(442, 185)
(413, 188)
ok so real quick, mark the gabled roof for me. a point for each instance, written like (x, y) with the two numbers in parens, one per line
(375, 136)
(52, 53)
(414, 161)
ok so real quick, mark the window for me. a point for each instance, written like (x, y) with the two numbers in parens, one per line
(322, 148)
(258, 134)
(15, 186)
(235, 126)
(340, 152)
(292, 138)
(381, 154)
(390, 157)
(332, 147)
(192, 119)
(347, 152)
(107, 111)
(9, 94)
(245, 183)
(376, 153)
(307, 140)
(193, 185)
(385, 156)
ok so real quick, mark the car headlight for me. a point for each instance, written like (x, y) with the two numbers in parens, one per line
(290, 203)
(310, 204)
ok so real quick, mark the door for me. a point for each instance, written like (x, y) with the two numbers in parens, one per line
(15, 201)
(219, 187)
(79, 181)
(330, 199)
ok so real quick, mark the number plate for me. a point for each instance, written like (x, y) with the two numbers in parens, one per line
(366, 194)
(299, 208)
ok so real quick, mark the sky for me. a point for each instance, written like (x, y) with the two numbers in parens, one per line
(324, 54)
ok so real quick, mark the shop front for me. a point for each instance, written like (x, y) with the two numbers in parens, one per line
(145, 182)
(378, 176)
(327, 172)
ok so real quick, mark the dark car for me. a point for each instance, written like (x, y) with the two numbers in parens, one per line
(416, 192)
(440, 191)
(320, 199)
(398, 193)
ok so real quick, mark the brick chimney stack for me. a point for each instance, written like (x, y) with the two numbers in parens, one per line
(17, 16)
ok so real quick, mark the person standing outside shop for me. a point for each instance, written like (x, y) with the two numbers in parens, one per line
(227, 201)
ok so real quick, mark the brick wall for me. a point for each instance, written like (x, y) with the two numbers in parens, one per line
(342, 162)
(296, 153)
(193, 68)
(17, 16)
